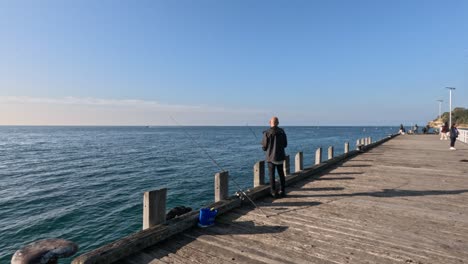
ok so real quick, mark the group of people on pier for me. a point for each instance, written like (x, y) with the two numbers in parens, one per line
(445, 132)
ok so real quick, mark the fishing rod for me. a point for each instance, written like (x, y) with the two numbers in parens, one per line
(255, 135)
(240, 193)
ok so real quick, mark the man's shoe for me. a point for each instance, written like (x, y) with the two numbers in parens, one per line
(452, 148)
(282, 194)
(274, 195)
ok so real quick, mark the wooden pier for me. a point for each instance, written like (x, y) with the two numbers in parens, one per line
(405, 201)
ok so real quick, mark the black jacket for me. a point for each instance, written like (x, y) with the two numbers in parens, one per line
(453, 132)
(274, 141)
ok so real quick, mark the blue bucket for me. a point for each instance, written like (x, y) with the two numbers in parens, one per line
(207, 217)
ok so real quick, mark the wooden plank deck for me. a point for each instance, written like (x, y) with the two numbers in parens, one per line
(405, 201)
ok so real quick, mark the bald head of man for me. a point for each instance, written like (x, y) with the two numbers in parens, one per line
(274, 121)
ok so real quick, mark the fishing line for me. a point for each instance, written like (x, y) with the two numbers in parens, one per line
(198, 145)
(240, 193)
(255, 135)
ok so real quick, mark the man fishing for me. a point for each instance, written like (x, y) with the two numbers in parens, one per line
(274, 141)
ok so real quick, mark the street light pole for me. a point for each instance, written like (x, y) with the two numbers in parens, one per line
(450, 105)
(440, 107)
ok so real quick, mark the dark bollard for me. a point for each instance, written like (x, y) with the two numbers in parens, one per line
(177, 211)
(46, 251)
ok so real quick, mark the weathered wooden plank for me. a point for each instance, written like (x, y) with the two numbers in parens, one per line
(221, 186)
(142, 257)
(254, 249)
(287, 165)
(357, 240)
(318, 156)
(259, 173)
(136, 242)
(199, 251)
(299, 162)
(306, 244)
(154, 208)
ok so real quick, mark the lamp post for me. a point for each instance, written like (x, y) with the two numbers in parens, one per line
(450, 105)
(440, 107)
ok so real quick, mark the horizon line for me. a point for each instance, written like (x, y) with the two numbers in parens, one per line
(149, 126)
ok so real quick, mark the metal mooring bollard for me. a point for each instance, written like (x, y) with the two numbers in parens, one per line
(46, 251)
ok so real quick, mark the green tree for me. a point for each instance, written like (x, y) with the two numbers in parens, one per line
(459, 116)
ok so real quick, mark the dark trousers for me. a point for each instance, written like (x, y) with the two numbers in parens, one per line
(452, 141)
(271, 173)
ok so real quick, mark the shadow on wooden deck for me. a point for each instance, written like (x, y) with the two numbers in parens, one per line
(226, 225)
(387, 193)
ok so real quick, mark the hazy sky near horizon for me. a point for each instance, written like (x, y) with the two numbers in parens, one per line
(230, 62)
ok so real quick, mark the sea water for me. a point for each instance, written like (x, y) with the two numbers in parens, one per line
(86, 184)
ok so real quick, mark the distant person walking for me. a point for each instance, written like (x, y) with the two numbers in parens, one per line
(415, 128)
(453, 136)
(444, 131)
(273, 143)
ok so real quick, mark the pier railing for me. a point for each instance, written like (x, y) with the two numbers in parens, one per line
(463, 135)
(156, 228)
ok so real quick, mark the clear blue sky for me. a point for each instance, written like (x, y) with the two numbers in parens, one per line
(231, 62)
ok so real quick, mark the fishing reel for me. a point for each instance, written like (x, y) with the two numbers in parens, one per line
(240, 195)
